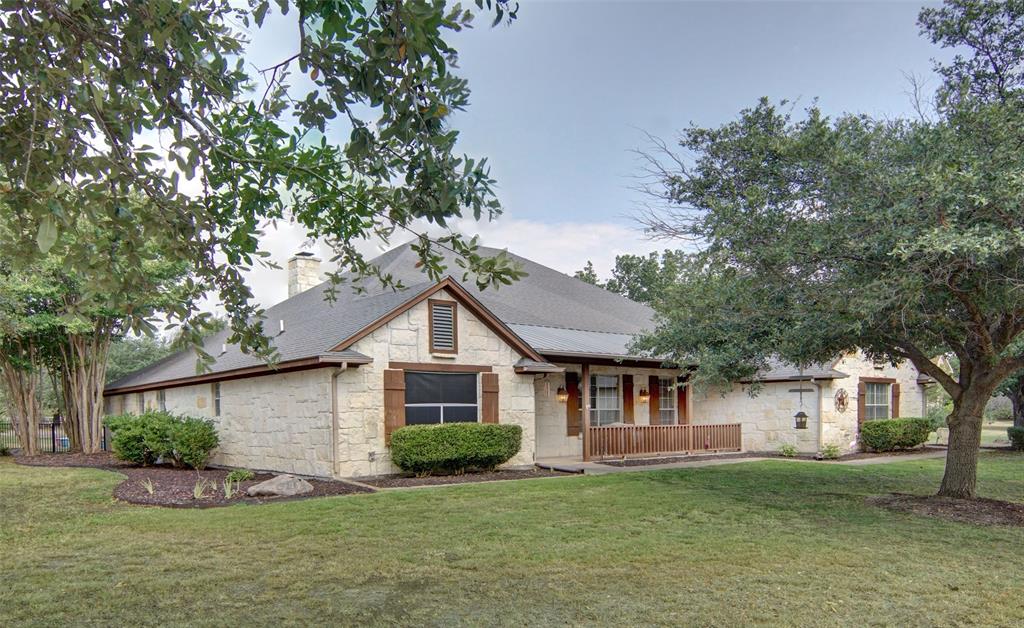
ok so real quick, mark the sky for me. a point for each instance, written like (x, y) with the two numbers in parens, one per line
(563, 95)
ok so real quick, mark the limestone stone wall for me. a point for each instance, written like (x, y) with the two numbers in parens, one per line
(360, 442)
(767, 417)
(552, 439)
(276, 422)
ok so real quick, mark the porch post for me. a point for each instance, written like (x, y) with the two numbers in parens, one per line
(585, 423)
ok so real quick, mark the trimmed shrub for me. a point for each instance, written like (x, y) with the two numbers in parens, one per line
(454, 447)
(893, 434)
(146, 438)
(141, 438)
(192, 442)
(1016, 435)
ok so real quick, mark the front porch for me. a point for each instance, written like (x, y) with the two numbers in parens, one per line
(622, 409)
(623, 441)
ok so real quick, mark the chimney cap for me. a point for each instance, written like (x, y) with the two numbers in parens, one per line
(306, 255)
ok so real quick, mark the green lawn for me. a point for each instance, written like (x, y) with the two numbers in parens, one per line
(754, 543)
(992, 433)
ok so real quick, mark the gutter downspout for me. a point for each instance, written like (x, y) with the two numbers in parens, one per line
(821, 423)
(334, 417)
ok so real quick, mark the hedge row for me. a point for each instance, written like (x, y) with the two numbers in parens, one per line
(454, 447)
(145, 438)
(893, 434)
(1016, 435)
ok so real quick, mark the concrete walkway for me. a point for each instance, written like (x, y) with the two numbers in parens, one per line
(572, 465)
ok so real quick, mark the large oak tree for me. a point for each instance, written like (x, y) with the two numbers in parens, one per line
(348, 134)
(902, 237)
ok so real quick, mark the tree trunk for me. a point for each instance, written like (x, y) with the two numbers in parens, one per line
(24, 407)
(86, 364)
(1017, 399)
(960, 477)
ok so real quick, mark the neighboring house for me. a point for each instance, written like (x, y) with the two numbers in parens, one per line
(536, 353)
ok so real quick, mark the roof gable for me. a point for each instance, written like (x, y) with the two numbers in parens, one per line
(466, 299)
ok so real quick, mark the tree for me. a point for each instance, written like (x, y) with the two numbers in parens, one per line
(643, 279)
(104, 101)
(131, 353)
(588, 275)
(903, 238)
(1013, 389)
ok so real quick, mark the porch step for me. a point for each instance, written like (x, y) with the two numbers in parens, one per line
(563, 468)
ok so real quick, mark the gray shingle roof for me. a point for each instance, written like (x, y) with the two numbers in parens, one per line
(549, 310)
(546, 297)
(781, 371)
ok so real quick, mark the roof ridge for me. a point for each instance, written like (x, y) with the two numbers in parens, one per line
(589, 331)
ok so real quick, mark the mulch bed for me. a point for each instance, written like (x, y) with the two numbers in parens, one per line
(861, 455)
(977, 511)
(104, 460)
(405, 481)
(174, 487)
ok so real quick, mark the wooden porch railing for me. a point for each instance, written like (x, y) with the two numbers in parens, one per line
(619, 441)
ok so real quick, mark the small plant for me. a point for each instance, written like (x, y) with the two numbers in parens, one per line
(230, 488)
(788, 451)
(241, 475)
(148, 485)
(199, 490)
(830, 452)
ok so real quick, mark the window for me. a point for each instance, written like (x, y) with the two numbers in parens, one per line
(161, 400)
(444, 336)
(667, 396)
(876, 401)
(140, 402)
(440, 398)
(605, 408)
(216, 399)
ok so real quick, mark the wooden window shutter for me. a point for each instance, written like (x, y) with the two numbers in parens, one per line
(489, 392)
(627, 399)
(394, 402)
(894, 411)
(654, 405)
(681, 410)
(862, 400)
(572, 404)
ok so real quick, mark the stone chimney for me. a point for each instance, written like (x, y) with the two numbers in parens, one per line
(303, 272)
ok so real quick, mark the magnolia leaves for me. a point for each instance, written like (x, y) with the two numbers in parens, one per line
(46, 237)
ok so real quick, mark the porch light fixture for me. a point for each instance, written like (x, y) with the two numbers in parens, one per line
(644, 396)
(562, 394)
(801, 420)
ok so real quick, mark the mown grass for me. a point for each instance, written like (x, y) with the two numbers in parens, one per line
(755, 543)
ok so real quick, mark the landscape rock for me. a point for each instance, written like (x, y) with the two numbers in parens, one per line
(280, 486)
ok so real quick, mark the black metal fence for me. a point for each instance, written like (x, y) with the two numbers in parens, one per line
(50, 437)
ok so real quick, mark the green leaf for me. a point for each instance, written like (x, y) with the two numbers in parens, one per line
(46, 237)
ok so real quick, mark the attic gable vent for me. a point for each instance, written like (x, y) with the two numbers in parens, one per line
(443, 327)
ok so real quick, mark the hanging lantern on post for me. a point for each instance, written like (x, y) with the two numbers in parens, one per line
(562, 395)
(644, 396)
(801, 420)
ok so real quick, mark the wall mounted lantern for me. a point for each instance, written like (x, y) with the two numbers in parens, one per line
(562, 394)
(801, 420)
(644, 396)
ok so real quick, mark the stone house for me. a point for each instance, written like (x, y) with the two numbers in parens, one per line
(541, 353)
